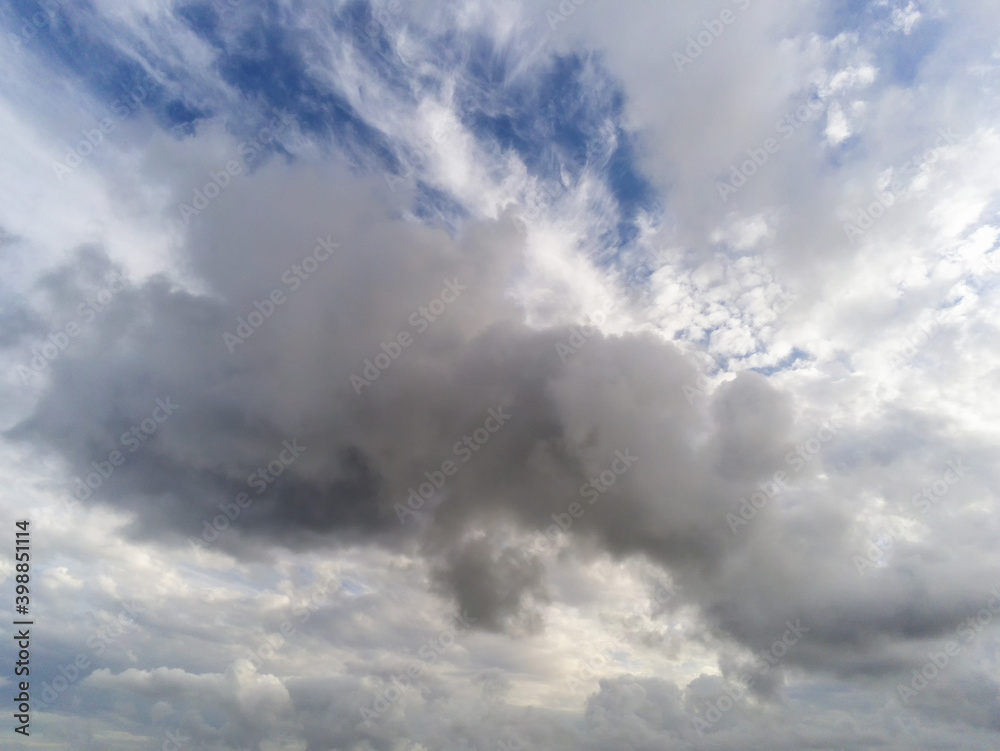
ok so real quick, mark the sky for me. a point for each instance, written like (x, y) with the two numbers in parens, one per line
(465, 376)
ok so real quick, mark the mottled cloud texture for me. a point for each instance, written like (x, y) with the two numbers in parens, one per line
(469, 375)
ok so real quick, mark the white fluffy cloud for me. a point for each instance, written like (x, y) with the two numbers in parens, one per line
(730, 268)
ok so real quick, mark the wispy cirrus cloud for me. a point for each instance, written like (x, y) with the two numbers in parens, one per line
(346, 237)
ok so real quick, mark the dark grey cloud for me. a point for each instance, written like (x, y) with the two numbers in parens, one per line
(289, 384)
(346, 346)
(496, 589)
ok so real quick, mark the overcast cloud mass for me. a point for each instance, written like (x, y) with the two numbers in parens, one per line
(468, 375)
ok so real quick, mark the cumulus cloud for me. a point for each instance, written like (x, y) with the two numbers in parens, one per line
(495, 375)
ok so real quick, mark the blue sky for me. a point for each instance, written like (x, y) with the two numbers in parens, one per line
(526, 314)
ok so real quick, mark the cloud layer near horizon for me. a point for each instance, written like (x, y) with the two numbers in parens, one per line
(663, 373)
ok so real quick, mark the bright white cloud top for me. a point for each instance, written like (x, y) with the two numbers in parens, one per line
(472, 375)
